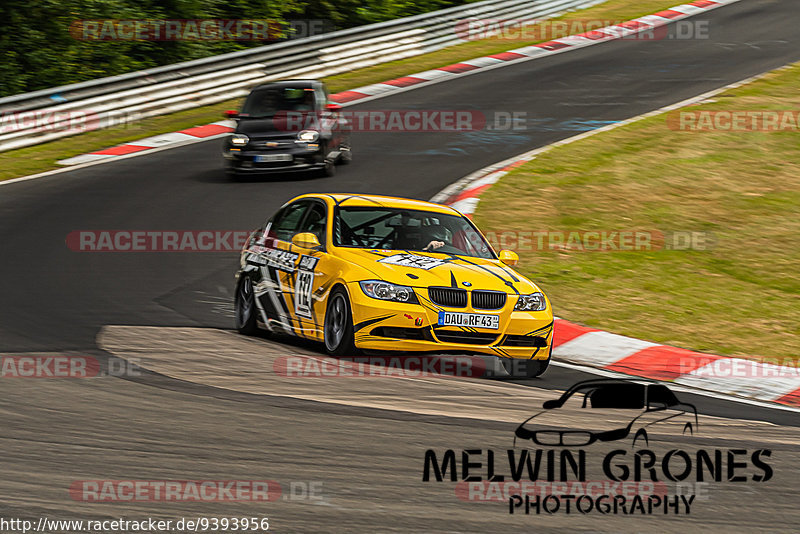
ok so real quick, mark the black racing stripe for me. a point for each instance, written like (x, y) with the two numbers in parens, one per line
(345, 199)
(509, 283)
(453, 282)
(509, 272)
(381, 254)
(274, 274)
(546, 327)
(364, 324)
(269, 309)
(432, 307)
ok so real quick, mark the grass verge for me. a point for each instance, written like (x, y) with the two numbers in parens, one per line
(739, 297)
(40, 158)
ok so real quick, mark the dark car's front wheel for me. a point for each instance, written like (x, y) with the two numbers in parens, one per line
(347, 155)
(245, 307)
(338, 332)
(329, 169)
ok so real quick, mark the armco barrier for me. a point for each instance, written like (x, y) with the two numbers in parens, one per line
(214, 79)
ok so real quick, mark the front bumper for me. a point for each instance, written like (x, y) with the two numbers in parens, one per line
(244, 161)
(396, 326)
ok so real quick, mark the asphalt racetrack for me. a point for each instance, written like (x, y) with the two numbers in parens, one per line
(187, 416)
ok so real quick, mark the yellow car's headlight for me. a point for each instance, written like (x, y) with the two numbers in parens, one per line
(380, 290)
(532, 302)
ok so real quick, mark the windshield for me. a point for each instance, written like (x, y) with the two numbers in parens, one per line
(267, 102)
(624, 395)
(398, 229)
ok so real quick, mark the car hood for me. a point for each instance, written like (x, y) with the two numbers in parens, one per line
(582, 419)
(255, 128)
(423, 269)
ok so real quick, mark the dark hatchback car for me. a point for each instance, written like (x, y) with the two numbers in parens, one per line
(613, 410)
(287, 126)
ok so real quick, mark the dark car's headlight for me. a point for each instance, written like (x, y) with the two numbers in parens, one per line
(308, 136)
(239, 140)
(385, 291)
(532, 302)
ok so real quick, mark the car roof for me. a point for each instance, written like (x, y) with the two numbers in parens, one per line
(366, 201)
(304, 84)
(607, 382)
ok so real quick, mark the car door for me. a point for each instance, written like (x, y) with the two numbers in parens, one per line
(314, 274)
(275, 290)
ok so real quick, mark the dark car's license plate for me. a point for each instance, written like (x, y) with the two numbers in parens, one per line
(269, 158)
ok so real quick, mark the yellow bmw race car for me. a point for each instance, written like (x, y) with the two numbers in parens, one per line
(360, 272)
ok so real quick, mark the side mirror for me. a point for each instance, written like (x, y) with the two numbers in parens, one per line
(230, 114)
(509, 257)
(333, 108)
(305, 240)
(550, 404)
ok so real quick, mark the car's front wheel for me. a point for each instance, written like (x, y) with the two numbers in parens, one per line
(338, 331)
(245, 307)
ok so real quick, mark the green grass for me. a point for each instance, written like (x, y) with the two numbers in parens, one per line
(40, 158)
(741, 297)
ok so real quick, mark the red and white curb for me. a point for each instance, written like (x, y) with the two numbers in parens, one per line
(595, 348)
(730, 376)
(183, 137)
(648, 23)
(413, 81)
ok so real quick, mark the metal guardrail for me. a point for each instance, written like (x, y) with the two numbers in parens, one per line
(104, 102)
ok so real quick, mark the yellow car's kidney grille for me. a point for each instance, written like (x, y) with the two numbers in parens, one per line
(448, 296)
(488, 300)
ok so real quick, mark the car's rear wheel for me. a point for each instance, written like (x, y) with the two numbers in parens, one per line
(245, 307)
(338, 331)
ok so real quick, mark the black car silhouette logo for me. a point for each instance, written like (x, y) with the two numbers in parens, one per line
(616, 410)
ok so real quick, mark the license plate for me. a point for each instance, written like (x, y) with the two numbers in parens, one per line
(473, 320)
(268, 158)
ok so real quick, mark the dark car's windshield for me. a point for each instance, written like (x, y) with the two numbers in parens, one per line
(399, 229)
(267, 102)
(624, 395)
